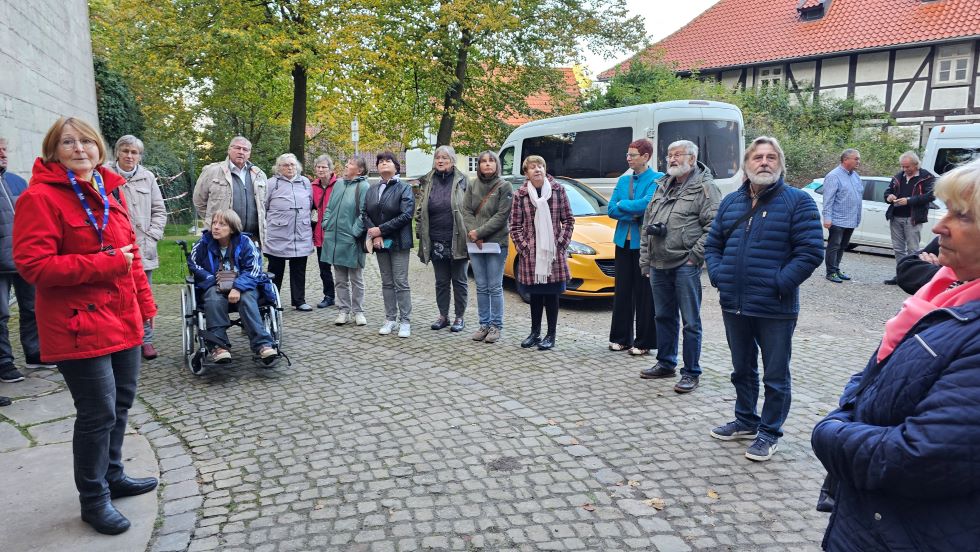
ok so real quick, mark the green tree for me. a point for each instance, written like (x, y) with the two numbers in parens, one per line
(119, 114)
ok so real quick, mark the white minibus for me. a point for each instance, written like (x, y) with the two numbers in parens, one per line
(591, 146)
(950, 146)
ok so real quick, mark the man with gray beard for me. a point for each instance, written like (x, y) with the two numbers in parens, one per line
(675, 225)
(765, 241)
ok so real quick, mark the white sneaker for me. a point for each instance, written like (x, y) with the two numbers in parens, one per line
(359, 319)
(388, 326)
(342, 318)
(404, 330)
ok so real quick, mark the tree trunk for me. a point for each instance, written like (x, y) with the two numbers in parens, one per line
(454, 94)
(297, 128)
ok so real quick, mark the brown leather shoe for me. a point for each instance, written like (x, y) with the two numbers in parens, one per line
(149, 353)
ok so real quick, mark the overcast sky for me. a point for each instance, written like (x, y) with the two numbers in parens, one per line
(662, 18)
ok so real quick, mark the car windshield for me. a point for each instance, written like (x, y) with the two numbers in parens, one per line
(583, 203)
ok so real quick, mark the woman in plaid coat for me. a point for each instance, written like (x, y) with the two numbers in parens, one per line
(541, 236)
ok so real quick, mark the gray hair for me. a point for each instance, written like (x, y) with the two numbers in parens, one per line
(690, 147)
(849, 152)
(3, 140)
(324, 159)
(231, 218)
(127, 140)
(960, 190)
(240, 139)
(910, 156)
(288, 158)
(446, 150)
(491, 155)
(361, 164)
(770, 141)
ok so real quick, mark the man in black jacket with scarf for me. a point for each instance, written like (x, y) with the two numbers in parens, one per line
(908, 197)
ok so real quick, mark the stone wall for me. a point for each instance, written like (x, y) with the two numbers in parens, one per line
(45, 72)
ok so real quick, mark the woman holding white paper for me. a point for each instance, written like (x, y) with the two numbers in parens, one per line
(486, 210)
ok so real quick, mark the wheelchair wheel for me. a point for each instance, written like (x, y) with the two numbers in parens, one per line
(272, 318)
(190, 334)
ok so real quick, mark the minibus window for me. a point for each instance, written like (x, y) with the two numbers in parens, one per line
(507, 161)
(717, 141)
(585, 154)
(950, 158)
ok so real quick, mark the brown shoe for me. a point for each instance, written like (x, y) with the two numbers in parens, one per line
(149, 352)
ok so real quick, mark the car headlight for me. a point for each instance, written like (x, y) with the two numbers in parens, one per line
(578, 248)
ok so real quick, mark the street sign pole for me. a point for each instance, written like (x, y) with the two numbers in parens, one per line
(354, 134)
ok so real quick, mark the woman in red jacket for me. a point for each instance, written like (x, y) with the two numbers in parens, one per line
(74, 242)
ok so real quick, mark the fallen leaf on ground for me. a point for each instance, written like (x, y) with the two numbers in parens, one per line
(633, 483)
(318, 506)
(552, 421)
(656, 503)
(573, 441)
(713, 494)
(588, 506)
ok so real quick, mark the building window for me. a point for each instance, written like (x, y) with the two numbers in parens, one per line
(953, 63)
(770, 76)
(473, 163)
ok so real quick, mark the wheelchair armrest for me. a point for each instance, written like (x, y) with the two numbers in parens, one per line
(189, 279)
(270, 275)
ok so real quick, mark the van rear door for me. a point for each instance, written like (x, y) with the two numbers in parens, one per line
(717, 133)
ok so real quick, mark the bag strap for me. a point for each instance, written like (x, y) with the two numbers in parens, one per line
(486, 197)
(727, 233)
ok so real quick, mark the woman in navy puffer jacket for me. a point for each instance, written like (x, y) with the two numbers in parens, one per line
(903, 450)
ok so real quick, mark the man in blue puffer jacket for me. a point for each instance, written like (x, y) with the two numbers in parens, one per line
(765, 241)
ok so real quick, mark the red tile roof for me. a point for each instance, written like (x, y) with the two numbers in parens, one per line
(545, 102)
(744, 32)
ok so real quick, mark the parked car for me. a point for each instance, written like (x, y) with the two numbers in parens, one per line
(591, 253)
(874, 229)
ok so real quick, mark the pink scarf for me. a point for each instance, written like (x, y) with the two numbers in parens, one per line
(934, 295)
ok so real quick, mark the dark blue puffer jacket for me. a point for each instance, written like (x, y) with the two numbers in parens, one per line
(904, 448)
(205, 262)
(759, 270)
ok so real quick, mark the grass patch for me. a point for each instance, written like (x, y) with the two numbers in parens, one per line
(173, 265)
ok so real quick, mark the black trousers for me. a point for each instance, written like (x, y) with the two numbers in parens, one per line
(326, 274)
(103, 389)
(297, 276)
(547, 302)
(632, 303)
(837, 240)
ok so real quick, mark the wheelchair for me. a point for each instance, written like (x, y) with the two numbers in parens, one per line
(192, 335)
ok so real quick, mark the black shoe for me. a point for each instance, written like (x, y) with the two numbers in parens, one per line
(547, 343)
(105, 519)
(5, 401)
(843, 276)
(658, 371)
(440, 323)
(531, 340)
(304, 307)
(10, 374)
(891, 282)
(34, 362)
(327, 302)
(687, 384)
(458, 325)
(834, 278)
(128, 486)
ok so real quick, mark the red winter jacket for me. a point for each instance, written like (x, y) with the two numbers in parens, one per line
(88, 304)
(321, 198)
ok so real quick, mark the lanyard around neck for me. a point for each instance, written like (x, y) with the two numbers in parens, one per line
(88, 210)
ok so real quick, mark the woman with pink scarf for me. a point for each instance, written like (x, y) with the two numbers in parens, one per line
(541, 225)
(903, 450)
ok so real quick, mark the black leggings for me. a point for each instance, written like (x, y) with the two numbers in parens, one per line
(549, 303)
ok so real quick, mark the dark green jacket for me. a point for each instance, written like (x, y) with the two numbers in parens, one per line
(491, 221)
(422, 215)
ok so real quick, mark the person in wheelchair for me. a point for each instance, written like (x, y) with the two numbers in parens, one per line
(226, 248)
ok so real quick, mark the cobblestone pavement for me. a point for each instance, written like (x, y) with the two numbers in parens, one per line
(437, 442)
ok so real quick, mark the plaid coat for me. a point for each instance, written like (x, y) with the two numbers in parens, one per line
(522, 232)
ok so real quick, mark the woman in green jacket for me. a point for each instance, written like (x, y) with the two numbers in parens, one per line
(343, 234)
(441, 233)
(486, 210)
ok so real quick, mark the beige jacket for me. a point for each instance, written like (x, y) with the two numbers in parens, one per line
(213, 192)
(147, 213)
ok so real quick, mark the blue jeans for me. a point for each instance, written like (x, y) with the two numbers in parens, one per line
(676, 297)
(216, 316)
(488, 270)
(774, 336)
(28, 324)
(103, 389)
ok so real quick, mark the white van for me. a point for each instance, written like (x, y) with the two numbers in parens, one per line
(950, 146)
(591, 146)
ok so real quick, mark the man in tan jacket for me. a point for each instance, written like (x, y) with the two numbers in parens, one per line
(234, 184)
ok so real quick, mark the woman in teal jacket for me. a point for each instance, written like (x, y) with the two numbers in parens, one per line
(343, 236)
(633, 298)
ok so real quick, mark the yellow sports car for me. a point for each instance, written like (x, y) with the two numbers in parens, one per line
(591, 253)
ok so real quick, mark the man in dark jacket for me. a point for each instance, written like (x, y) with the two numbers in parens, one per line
(765, 241)
(11, 186)
(908, 196)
